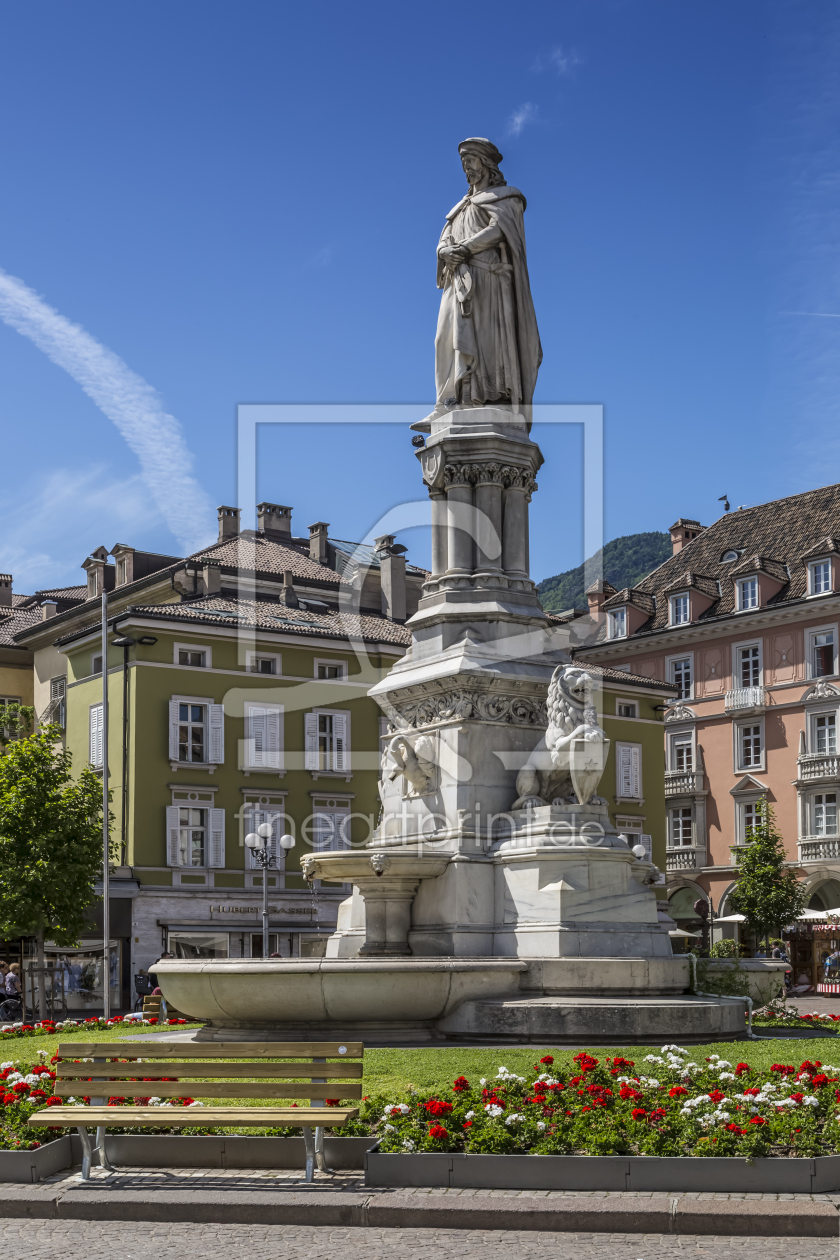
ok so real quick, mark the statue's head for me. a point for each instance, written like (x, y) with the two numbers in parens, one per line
(480, 157)
(573, 683)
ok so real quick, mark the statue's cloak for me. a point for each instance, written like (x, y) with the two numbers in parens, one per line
(507, 207)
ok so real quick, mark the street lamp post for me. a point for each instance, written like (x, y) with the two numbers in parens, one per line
(257, 842)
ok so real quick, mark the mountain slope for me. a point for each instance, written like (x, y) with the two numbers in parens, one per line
(625, 562)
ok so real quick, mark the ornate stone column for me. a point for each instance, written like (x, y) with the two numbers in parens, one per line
(440, 540)
(461, 516)
(488, 504)
(515, 530)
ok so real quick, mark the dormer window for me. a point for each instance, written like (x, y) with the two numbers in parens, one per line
(617, 622)
(121, 571)
(680, 615)
(748, 593)
(820, 574)
(729, 556)
(93, 583)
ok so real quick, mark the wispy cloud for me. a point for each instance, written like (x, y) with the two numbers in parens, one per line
(131, 403)
(87, 507)
(520, 117)
(561, 60)
(815, 314)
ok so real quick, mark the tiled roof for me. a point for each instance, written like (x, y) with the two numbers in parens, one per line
(631, 595)
(824, 547)
(623, 677)
(762, 564)
(784, 531)
(254, 552)
(693, 581)
(600, 587)
(220, 610)
(64, 592)
(19, 599)
(19, 619)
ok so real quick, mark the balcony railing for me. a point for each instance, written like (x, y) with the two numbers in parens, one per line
(745, 698)
(819, 850)
(819, 766)
(687, 859)
(683, 782)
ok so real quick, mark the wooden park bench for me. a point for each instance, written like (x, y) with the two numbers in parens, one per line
(302, 1062)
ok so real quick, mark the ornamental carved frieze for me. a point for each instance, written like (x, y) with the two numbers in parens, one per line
(680, 713)
(483, 706)
(508, 476)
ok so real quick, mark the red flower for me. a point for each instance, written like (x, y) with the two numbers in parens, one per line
(741, 1068)
(752, 1092)
(438, 1132)
(780, 1067)
(808, 1066)
(461, 1084)
(797, 1097)
(677, 1091)
(716, 1095)
(37, 1095)
(20, 1087)
(547, 1060)
(819, 1080)
(585, 1061)
(54, 1101)
(627, 1092)
(333, 1102)
(758, 1120)
(639, 1113)
(468, 1124)
(733, 1128)
(436, 1107)
(9, 1099)
(658, 1113)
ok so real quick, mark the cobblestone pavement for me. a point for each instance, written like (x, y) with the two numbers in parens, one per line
(816, 1002)
(94, 1240)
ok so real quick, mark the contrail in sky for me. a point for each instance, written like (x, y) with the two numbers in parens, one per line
(134, 406)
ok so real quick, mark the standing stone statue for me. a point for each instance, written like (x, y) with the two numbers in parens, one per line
(487, 349)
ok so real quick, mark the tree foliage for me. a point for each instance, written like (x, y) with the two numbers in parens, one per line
(50, 839)
(766, 893)
(16, 721)
(624, 561)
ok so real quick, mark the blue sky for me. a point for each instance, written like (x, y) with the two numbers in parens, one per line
(241, 204)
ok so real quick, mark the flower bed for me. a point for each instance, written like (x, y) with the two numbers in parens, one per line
(665, 1104)
(40, 1027)
(710, 1108)
(778, 1015)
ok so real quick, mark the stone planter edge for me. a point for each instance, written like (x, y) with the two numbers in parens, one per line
(30, 1166)
(605, 1172)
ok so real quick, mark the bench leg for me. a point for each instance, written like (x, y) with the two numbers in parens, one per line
(100, 1145)
(87, 1153)
(320, 1161)
(309, 1143)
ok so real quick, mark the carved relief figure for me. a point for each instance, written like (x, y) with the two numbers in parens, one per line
(568, 762)
(413, 760)
(487, 349)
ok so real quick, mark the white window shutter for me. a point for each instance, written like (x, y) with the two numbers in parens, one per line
(217, 733)
(647, 841)
(624, 770)
(96, 735)
(173, 836)
(341, 741)
(174, 709)
(342, 831)
(310, 727)
(273, 737)
(255, 735)
(637, 772)
(252, 817)
(274, 848)
(217, 835)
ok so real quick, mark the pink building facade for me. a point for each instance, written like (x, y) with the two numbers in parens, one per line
(744, 620)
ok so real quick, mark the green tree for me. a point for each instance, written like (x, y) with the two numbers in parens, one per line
(16, 720)
(766, 893)
(50, 842)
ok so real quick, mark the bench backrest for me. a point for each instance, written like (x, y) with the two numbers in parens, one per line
(331, 1069)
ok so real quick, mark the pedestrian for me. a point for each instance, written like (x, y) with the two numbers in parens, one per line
(13, 981)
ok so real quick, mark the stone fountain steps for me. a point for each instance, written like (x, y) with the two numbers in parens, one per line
(599, 1020)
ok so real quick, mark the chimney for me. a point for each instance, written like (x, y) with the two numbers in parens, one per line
(318, 542)
(228, 523)
(288, 594)
(275, 521)
(48, 609)
(391, 559)
(682, 532)
(211, 578)
(5, 590)
(596, 594)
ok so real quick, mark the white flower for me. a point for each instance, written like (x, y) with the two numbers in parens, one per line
(14, 1077)
(514, 1118)
(653, 1058)
(68, 1101)
(810, 1101)
(10, 1064)
(674, 1050)
(32, 1078)
(649, 1081)
(713, 1058)
(541, 1125)
(469, 1115)
(505, 1075)
(483, 1080)
(390, 1128)
(770, 1088)
(154, 1102)
(726, 1076)
(549, 1080)
(167, 1104)
(493, 1110)
(400, 1109)
(42, 1054)
(409, 1145)
(722, 1063)
(722, 1115)
(195, 1104)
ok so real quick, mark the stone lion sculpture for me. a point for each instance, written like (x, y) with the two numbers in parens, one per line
(413, 760)
(567, 763)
